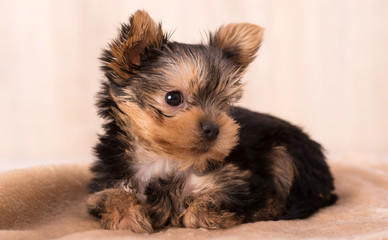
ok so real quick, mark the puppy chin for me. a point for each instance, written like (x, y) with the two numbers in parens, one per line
(201, 149)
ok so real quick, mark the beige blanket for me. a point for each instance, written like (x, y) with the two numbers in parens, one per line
(48, 202)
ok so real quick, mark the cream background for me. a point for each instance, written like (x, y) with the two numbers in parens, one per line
(323, 65)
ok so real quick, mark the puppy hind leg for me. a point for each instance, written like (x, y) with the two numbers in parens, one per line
(283, 173)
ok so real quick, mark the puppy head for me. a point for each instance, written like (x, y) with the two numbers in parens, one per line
(173, 99)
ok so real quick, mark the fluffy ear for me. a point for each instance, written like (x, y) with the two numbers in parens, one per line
(124, 54)
(238, 41)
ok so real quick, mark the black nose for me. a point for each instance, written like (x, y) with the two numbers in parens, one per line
(210, 130)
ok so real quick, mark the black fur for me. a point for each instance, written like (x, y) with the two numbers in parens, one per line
(259, 133)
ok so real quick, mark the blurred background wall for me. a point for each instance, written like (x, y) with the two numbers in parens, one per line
(323, 65)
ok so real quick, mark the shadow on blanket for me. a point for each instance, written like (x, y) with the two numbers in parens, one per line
(48, 202)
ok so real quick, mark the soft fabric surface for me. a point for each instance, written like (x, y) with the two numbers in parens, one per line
(48, 202)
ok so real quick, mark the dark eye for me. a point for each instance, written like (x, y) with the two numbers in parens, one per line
(174, 98)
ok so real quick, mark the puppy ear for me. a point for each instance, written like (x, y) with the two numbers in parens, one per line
(238, 41)
(125, 53)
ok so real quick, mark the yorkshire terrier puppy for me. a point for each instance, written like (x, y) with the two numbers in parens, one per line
(175, 152)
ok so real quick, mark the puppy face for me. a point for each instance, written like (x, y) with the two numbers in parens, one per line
(173, 99)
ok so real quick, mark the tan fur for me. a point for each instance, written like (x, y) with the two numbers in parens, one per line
(246, 36)
(284, 172)
(283, 169)
(144, 33)
(216, 183)
(201, 215)
(121, 210)
(179, 137)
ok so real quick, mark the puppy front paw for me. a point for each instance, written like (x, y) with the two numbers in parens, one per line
(120, 210)
(199, 216)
